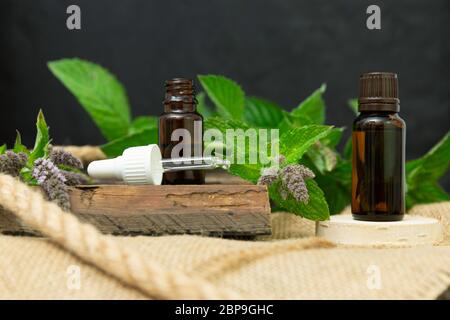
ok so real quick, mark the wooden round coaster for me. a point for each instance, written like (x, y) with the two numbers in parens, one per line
(411, 231)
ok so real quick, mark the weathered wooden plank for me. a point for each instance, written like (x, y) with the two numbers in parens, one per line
(10, 225)
(220, 210)
(214, 210)
(120, 200)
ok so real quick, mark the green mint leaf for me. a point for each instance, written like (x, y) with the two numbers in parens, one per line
(290, 121)
(353, 104)
(347, 153)
(295, 142)
(425, 193)
(247, 171)
(3, 148)
(18, 146)
(25, 175)
(313, 107)
(98, 92)
(226, 94)
(42, 141)
(337, 195)
(333, 138)
(342, 173)
(316, 209)
(224, 124)
(116, 147)
(431, 166)
(323, 154)
(336, 185)
(262, 113)
(69, 168)
(202, 107)
(143, 123)
(323, 157)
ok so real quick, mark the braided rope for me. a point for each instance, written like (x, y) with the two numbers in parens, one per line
(102, 251)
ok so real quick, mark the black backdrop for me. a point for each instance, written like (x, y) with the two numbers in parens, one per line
(279, 49)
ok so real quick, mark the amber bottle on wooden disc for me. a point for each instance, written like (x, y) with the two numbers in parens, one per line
(378, 151)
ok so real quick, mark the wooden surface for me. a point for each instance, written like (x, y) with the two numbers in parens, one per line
(220, 210)
(411, 231)
(236, 210)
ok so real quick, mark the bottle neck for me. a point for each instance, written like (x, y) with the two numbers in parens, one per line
(180, 96)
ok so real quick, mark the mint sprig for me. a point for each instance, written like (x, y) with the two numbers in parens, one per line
(313, 107)
(99, 93)
(316, 209)
(422, 174)
(18, 146)
(262, 113)
(293, 145)
(247, 171)
(104, 98)
(295, 142)
(42, 141)
(202, 106)
(143, 123)
(226, 94)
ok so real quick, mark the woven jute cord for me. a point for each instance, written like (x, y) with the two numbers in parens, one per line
(87, 243)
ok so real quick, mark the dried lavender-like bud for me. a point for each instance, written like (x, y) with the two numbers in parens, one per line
(61, 157)
(73, 178)
(11, 163)
(299, 171)
(268, 176)
(52, 181)
(293, 181)
(44, 169)
(266, 180)
(56, 191)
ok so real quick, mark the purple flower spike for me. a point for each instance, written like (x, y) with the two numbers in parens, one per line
(52, 181)
(293, 182)
(11, 163)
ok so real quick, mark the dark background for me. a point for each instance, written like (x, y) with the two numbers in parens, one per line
(281, 50)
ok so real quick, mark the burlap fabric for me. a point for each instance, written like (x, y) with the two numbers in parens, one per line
(37, 268)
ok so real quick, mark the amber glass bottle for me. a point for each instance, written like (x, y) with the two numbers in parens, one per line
(378, 159)
(180, 113)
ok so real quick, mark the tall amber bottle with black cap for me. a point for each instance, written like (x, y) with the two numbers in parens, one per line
(378, 159)
(180, 113)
